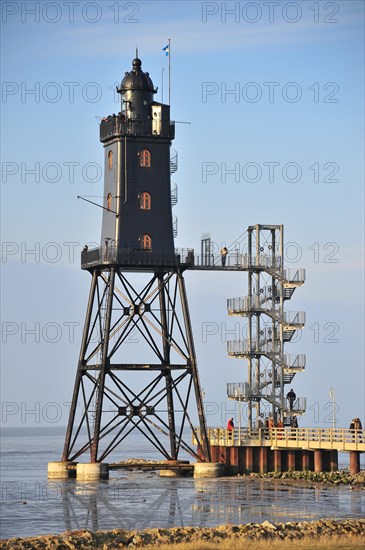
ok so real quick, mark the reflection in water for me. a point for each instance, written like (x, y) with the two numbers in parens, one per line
(146, 501)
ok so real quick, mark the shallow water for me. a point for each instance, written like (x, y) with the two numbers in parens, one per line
(32, 505)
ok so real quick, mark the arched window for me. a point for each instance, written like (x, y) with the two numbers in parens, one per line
(110, 160)
(145, 158)
(109, 201)
(146, 242)
(145, 201)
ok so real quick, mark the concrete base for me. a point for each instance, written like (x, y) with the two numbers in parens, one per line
(277, 461)
(209, 469)
(61, 470)
(305, 461)
(354, 462)
(318, 461)
(92, 471)
(291, 460)
(175, 472)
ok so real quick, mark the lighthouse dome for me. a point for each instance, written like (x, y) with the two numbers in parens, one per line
(136, 79)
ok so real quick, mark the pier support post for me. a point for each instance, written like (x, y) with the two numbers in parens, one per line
(305, 461)
(209, 469)
(354, 462)
(234, 459)
(277, 461)
(92, 471)
(214, 451)
(291, 461)
(223, 454)
(333, 460)
(249, 459)
(61, 470)
(263, 460)
(318, 461)
(175, 470)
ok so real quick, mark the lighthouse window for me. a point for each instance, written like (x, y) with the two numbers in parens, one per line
(145, 201)
(109, 201)
(110, 160)
(146, 242)
(145, 158)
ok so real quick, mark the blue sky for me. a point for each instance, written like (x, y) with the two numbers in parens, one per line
(319, 56)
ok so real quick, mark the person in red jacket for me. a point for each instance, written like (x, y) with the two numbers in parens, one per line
(230, 427)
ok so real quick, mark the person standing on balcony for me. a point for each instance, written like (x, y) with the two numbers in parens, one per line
(294, 422)
(224, 253)
(291, 397)
(357, 425)
(230, 428)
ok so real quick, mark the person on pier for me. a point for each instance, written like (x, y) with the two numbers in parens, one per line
(291, 397)
(230, 428)
(224, 253)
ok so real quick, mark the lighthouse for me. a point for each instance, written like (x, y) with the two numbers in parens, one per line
(137, 294)
(137, 216)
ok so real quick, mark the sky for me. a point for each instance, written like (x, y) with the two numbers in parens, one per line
(254, 85)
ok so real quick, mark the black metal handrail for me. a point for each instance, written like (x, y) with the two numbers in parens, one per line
(118, 125)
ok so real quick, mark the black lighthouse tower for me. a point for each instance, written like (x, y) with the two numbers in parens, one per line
(137, 369)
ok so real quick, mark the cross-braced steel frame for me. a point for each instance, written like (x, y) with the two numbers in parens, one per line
(113, 396)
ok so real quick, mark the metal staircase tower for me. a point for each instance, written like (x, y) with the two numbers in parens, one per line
(269, 327)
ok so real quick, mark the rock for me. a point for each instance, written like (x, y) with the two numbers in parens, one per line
(268, 525)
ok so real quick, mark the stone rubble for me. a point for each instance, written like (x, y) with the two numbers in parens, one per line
(120, 538)
(340, 477)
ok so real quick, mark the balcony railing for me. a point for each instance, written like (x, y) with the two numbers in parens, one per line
(302, 438)
(294, 361)
(174, 194)
(184, 257)
(117, 125)
(238, 390)
(258, 303)
(244, 347)
(294, 275)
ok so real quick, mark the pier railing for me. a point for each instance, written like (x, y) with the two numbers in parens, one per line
(341, 439)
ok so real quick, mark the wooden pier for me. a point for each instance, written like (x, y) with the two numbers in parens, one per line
(285, 449)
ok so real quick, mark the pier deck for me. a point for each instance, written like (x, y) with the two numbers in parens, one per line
(339, 439)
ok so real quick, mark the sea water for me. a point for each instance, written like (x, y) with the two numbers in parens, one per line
(32, 505)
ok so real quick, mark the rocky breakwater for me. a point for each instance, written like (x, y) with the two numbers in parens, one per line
(120, 538)
(340, 477)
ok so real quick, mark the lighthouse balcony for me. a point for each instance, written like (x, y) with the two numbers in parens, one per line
(136, 258)
(115, 126)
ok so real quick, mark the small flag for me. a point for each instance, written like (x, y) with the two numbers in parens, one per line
(166, 49)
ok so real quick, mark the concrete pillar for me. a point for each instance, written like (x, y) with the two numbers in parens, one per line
(270, 460)
(61, 470)
(241, 460)
(291, 460)
(209, 469)
(311, 461)
(214, 451)
(277, 461)
(234, 456)
(305, 461)
(92, 471)
(263, 460)
(223, 455)
(318, 461)
(354, 462)
(333, 460)
(249, 459)
(174, 472)
(256, 459)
